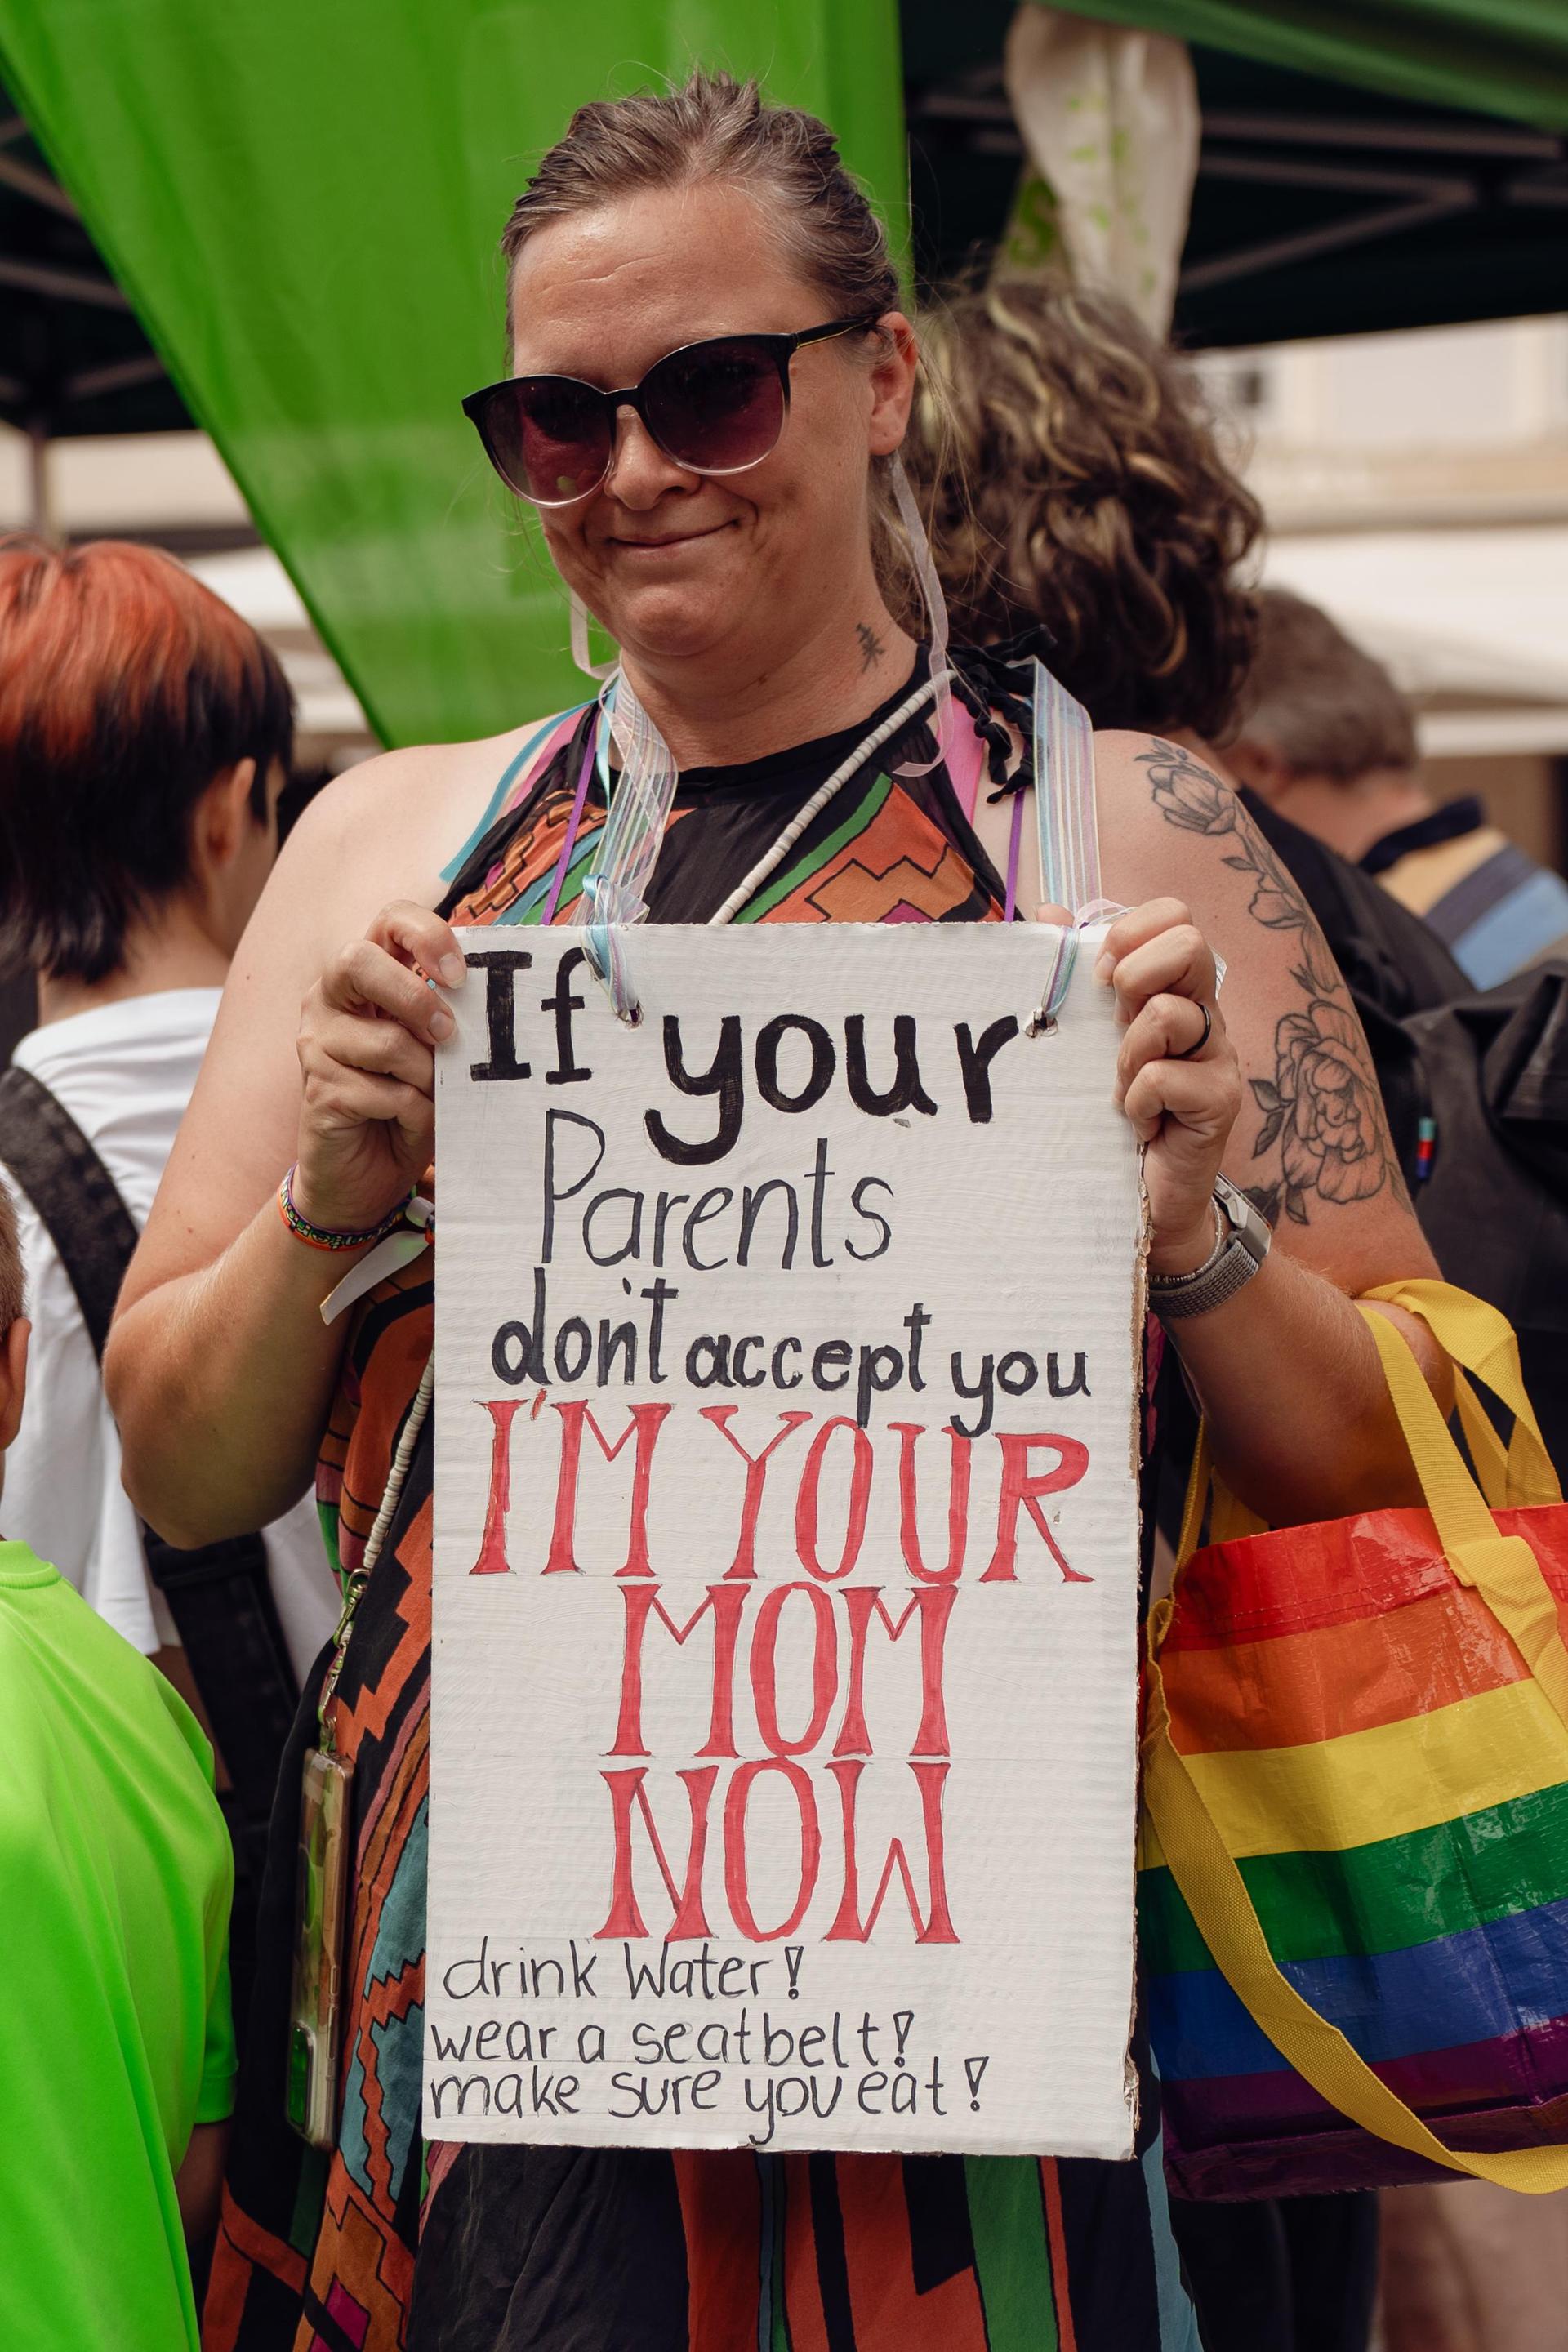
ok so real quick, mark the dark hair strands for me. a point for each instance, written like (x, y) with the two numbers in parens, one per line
(13, 1287)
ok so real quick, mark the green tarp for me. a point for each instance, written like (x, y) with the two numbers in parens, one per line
(302, 199)
(1508, 58)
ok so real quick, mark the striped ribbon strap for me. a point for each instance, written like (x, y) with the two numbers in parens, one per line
(630, 841)
(1064, 796)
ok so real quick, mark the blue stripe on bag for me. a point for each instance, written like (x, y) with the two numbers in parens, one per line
(1491, 1981)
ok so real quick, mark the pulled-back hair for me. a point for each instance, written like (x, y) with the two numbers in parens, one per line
(715, 127)
(1316, 700)
(125, 689)
(1073, 479)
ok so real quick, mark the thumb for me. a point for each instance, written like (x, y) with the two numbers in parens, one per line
(1058, 915)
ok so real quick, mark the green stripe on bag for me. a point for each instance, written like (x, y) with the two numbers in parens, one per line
(1386, 1896)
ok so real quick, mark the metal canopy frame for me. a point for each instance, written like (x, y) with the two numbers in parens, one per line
(1236, 147)
(73, 355)
(1369, 210)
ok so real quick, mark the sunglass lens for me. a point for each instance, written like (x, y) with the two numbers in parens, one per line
(716, 408)
(548, 438)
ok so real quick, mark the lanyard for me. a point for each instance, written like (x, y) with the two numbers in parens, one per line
(354, 1589)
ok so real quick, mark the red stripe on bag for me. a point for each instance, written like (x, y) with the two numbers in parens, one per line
(1342, 1572)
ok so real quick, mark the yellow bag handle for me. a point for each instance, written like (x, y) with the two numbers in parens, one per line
(1505, 1572)
(1503, 1568)
(1487, 1451)
(1229, 1519)
(1478, 1337)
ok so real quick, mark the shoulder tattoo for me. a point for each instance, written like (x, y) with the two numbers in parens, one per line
(1320, 1113)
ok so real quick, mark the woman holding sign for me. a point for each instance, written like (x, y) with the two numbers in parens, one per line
(711, 378)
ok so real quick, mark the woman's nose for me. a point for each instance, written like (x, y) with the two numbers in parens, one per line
(640, 473)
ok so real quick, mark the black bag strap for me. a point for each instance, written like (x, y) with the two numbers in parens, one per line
(73, 1193)
(219, 1595)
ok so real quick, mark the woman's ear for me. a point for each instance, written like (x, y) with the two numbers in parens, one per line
(13, 1381)
(892, 383)
(222, 820)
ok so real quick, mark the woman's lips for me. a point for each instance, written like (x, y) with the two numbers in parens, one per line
(668, 545)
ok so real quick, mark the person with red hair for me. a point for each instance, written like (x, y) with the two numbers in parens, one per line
(146, 732)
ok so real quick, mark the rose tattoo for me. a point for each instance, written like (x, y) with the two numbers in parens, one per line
(1321, 1109)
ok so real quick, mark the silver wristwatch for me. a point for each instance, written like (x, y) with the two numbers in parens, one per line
(1240, 1250)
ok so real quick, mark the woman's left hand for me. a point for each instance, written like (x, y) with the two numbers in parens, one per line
(1180, 1087)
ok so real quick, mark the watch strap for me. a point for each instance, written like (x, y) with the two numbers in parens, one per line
(1238, 1253)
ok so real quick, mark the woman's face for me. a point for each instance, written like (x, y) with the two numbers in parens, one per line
(679, 565)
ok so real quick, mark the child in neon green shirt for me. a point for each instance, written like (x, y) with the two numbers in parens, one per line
(116, 2045)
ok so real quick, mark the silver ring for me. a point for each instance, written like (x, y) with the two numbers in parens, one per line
(1191, 1053)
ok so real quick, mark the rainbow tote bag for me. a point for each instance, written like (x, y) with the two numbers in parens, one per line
(1353, 1864)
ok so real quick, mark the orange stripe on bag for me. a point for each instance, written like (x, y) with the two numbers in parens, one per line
(1305, 1688)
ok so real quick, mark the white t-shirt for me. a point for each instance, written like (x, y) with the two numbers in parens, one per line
(125, 1072)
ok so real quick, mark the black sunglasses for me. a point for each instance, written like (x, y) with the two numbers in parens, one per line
(713, 407)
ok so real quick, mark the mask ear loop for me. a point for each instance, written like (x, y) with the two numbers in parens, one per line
(936, 614)
(633, 825)
(632, 837)
(1066, 817)
(582, 653)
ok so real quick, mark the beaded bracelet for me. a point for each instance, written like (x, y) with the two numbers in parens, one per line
(324, 1237)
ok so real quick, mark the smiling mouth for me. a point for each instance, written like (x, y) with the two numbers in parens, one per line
(676, 539)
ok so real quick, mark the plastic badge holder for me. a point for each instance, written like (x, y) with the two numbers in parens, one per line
(316, 2005)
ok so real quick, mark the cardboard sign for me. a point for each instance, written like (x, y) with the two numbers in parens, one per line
(786, 1549)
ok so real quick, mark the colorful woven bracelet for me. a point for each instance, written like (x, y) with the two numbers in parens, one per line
(324, 1237)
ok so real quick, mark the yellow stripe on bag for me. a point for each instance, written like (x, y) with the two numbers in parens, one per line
(1385, 1781)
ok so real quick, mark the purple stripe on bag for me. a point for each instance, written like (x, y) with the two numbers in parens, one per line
(1514, 2072)
(1315, 2161)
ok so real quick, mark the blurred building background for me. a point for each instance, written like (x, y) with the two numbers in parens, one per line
(1416, 485)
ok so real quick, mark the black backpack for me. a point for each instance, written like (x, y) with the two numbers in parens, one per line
(1489, 1068)
(1495, 1208)
(219, 1596)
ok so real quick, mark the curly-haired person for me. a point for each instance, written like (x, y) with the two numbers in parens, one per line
(1078, 491)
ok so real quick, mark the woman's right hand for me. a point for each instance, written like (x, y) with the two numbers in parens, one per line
(367, 1034)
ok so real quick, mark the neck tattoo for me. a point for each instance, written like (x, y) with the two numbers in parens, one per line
(871, 647)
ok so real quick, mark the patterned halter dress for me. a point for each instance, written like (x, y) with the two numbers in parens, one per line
(390, 2244)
